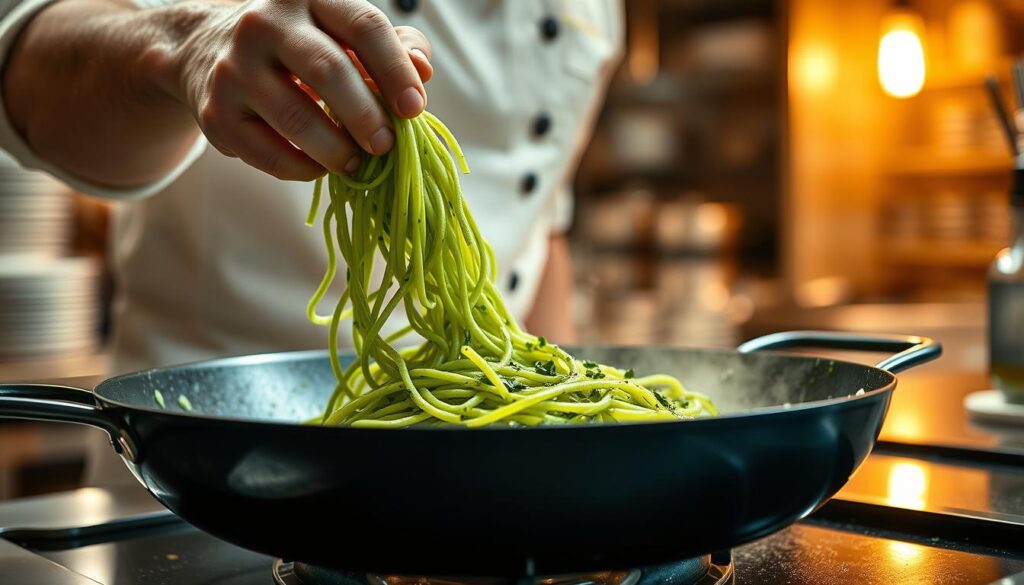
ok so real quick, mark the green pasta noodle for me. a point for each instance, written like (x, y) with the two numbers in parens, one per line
(475, 365)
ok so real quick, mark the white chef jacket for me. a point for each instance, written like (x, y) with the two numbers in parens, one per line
(214, 259)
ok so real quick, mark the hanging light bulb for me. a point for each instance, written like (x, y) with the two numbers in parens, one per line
(901, 68)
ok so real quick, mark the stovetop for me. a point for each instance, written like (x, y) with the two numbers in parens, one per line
(906, 517)
(805, 553)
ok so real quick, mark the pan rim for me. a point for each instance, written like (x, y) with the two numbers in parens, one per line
(271, 357)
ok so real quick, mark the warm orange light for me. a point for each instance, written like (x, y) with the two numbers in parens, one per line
(904, 552)
(904, 425)
(814, 66)
(642, 57)
(908, 485)
(901, 67)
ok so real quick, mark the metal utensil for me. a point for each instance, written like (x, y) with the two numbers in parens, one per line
(1017, 76)
(1002, 113)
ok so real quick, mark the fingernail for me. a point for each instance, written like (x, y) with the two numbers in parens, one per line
(382, 141)
(420, 54)
(353, 164)
(410, 102)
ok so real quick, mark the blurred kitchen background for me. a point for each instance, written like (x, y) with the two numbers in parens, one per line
(750, 172)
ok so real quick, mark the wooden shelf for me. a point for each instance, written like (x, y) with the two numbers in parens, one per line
(937, 79)
(923, 163)
(939, 254)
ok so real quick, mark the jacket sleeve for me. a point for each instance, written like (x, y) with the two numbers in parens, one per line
(14, 15)
(560, 210)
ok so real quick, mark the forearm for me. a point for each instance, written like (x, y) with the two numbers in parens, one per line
(89, 85)
(551, 315)
(116, 95)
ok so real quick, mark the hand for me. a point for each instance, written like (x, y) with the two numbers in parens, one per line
(239, 72)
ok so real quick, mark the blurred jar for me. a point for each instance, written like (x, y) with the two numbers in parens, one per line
(629, 319)
(688, 225)
(619, 220)
(1006, 302)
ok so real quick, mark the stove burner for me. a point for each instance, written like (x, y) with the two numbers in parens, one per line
(706, 570)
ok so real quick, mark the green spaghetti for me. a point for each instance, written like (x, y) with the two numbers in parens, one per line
(475, 365)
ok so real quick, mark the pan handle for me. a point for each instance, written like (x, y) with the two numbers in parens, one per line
(908, 350)
(61, 404)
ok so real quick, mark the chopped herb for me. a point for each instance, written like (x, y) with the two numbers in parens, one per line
(184, 403)
(481, 307)
(159, 398)
(589, 364)
(595, 374)
(547, 368)
(466, 338)
(541, 342)
(529, 346)
(514, 385)
(630, 373)
(664, 401)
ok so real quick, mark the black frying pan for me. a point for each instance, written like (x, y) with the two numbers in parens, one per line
(490, 501)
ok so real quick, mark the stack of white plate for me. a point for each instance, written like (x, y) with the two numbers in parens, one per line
(48, 306)
(34, 211)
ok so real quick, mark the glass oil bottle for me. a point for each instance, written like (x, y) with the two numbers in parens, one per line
(1006, 301)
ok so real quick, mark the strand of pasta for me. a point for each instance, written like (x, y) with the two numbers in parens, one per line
(475, 365)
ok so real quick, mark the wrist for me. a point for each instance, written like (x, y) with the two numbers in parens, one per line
(163, 68)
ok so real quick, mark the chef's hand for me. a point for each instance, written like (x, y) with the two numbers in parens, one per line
(238, 74)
